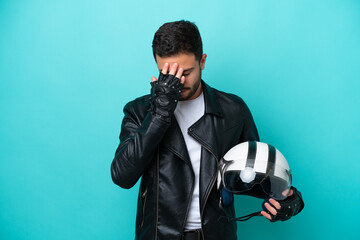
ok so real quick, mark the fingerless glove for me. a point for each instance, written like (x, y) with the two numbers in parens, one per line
(289, 207)
(165, 93)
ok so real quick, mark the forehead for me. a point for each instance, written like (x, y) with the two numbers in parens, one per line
(184, 60)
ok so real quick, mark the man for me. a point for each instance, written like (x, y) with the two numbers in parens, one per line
(174, 138)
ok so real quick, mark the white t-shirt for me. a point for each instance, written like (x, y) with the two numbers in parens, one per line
(187, 113)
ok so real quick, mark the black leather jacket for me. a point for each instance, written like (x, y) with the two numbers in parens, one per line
(155, 150)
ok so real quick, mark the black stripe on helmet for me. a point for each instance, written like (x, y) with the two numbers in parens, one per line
(250, 160)
(271, 159)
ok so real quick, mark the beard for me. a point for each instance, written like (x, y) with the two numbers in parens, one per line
(191, 90)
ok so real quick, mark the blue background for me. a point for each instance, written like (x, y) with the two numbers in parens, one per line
(68, 67)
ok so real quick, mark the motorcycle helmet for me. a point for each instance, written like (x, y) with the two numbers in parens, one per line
(255, 163)
(251, 165)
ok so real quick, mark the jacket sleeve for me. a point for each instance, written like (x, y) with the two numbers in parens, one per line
(138, 143)
(250, 132)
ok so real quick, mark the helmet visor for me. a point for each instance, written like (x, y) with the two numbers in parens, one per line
(275, 182)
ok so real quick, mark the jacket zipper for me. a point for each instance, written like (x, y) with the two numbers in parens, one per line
(212, 184)
(188, 206)
(144, 196)
(157, 193)
(207, 196)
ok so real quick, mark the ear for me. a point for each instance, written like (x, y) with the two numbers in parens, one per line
(202, 61)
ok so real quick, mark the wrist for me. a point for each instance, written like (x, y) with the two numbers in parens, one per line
(162, 117)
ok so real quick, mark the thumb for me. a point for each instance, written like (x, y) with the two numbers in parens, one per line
(153, 79)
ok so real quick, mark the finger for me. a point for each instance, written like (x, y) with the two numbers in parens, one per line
(173, 69)
(275, 203)
(153, 79)
(270, 208)
(266, 215)
(179, 73)
(165, 68)
(291, 192)
(182, 80)
(287, 192)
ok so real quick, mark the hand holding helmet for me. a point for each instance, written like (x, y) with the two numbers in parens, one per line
(283, 209)
(260, 170)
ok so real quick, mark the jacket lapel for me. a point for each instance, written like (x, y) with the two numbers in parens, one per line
(174, 141)
(204, 132)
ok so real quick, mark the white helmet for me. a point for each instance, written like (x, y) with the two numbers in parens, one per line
(251, 163)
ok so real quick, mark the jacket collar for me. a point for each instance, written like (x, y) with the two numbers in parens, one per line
(212, 105)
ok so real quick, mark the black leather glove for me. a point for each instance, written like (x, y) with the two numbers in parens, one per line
(289, 207)
(165, 93)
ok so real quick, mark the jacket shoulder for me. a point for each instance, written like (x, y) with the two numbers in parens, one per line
(230, 96)
(234, 108)
(139, 103)
(230, 101)
(138, 108)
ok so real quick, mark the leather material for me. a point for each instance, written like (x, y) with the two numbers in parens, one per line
(192, 235)
(290, 206)
(155, 150)
(165, 93)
